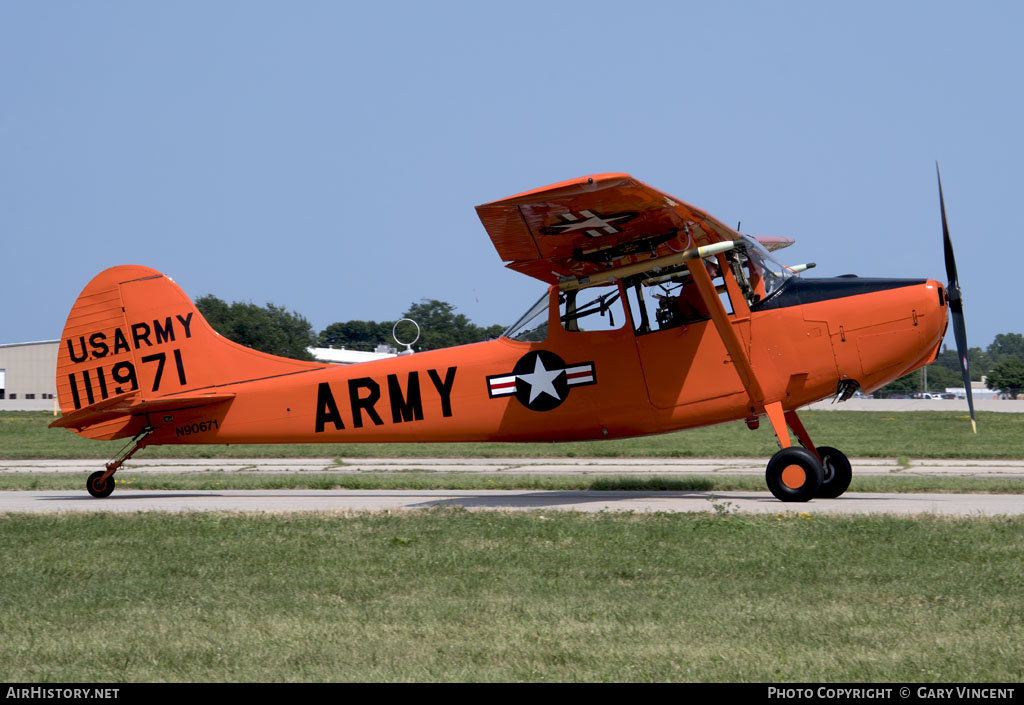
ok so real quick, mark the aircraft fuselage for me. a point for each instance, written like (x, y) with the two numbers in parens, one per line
(587, 385)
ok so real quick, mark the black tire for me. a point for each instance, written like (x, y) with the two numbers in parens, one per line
(837, 470)
(98, 487)
(794, 475)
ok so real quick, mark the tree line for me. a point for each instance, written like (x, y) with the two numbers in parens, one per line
(1002, 363)
(440, 327)
(275, 330)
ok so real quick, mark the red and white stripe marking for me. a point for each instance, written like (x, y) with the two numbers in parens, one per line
(580, 374)
(501, 386)
(506, 384)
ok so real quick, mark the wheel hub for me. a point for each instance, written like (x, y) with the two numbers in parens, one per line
(794, 477)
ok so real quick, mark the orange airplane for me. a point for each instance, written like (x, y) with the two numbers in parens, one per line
(657, 317)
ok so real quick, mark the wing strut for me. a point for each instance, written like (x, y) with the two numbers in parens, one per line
(776, 414)
(728, 335)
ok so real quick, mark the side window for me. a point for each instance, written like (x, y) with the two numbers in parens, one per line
(659, 301)
(595, 309)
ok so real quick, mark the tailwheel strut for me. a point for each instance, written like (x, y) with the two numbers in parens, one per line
(101, 483)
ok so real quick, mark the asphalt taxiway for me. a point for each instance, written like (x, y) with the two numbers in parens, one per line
(275, 501)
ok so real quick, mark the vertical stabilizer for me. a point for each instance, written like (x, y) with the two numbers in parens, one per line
(134, 336)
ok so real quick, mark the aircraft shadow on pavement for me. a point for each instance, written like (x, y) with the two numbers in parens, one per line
(556, 498)
(549, 499)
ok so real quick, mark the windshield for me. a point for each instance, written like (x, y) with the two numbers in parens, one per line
(762, 268)
(532, 326)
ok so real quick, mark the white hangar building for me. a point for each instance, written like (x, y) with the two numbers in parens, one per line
(27, 380)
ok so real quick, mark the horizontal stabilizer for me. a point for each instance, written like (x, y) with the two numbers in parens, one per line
(128, 405)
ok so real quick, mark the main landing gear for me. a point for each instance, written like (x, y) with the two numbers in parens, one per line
(797, 474)
(837, 472)
(101, 483)
(794, 475)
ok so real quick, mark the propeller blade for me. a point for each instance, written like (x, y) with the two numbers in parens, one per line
(956, 305)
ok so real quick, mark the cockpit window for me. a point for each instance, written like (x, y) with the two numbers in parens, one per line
(658, 299)
(592, 309)
(670, 298)
(532, 326)
(596, 308)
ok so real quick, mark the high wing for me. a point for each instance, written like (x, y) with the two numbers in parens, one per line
(587, 225)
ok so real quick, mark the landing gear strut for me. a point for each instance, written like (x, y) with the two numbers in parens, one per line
(101, 483)
(800, 474)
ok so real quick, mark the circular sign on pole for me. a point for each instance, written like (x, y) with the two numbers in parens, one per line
(408, 346)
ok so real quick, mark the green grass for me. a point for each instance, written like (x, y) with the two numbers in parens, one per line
(460, 596)
(127, 479)
(916, 434)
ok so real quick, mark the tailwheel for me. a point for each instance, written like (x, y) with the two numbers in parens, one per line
(837, 472)
(100, 486)
(97, 486)
(794, 475)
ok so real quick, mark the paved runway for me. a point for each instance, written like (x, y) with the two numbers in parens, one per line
(273, 501)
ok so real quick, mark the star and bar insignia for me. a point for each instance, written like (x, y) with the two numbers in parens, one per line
(541, 380)
(590, 222)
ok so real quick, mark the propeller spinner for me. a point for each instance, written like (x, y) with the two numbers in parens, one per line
(956, 305)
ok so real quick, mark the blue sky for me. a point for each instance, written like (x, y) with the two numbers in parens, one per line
(327, 156)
